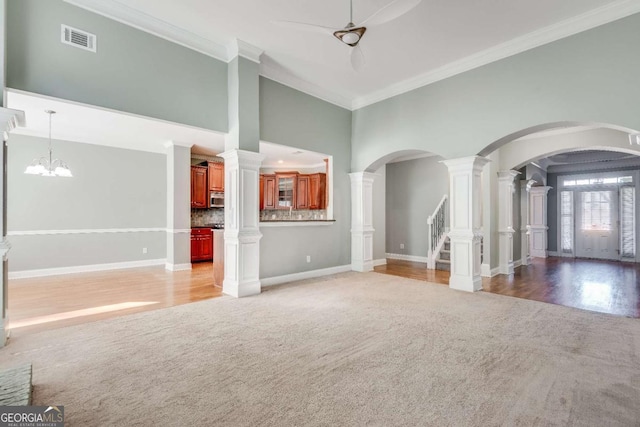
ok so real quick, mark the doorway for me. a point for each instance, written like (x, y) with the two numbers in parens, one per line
(597, 233)
(597, 217)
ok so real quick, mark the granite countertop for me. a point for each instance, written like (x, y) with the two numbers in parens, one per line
(298, 220)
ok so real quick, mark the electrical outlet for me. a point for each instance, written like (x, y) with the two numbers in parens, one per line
(308, 258)
(144, 250)
(401, 245)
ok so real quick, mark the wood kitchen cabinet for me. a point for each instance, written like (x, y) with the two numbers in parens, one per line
(302, 192)
(290, 189)
(286, 189)
(201, 244)
(216, 177)
(267, 192)
(199, 187)
(318, 191)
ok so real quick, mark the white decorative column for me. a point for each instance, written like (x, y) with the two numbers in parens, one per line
(505, 220)
(242, 162)
(178, 206)
(465, 187)
(525, 228)
(538, 209)
(241, 227)
(362, 221)
(9, 120)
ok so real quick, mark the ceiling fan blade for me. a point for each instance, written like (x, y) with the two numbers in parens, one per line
(390, 12)
(357, 58)
(305, 27)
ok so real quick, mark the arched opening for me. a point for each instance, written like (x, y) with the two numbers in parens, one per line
(410, 214)
(574, 210)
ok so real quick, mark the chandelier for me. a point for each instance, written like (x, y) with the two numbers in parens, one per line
(50, 166)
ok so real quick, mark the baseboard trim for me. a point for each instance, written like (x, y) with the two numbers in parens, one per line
(487, 271)
(278, 280)
(517, 263)
(404, 257)
(25, 274)
(177, 267)
(378, 262)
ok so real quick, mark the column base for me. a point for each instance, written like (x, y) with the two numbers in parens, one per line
(539, 254)
(507, 269)
(467, 284)
(362, 266)
(239, 290)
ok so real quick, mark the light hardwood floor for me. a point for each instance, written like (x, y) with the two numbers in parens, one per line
(595, 285)
(52, 302)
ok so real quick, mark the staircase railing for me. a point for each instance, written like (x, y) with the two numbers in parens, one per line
(437, 231)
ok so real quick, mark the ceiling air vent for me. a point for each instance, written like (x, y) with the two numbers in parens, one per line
(78, 38)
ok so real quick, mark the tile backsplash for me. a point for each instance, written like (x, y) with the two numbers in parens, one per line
(201, 217)
(295, 214)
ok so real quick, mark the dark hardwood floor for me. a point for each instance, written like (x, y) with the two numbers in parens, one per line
(603, 286)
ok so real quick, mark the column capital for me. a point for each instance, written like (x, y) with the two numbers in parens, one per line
(362, 177)
(540, 190)
(463, 164)
(172, 143)
(246, 159)
(508, 175)
(527, 185)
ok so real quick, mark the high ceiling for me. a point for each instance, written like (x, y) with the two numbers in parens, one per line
(436, 39)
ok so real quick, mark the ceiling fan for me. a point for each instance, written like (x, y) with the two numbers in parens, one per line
(352, 34)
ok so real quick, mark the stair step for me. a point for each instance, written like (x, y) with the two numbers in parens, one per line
(443, 264)
(445, 255)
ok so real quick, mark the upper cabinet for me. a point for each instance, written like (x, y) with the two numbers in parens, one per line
(216, 177)
(291, 190)
(199, 187)
(286, 185)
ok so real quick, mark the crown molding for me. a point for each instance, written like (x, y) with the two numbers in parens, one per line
(245, 50)
(586, 21)
(117, 11)
(277, 74)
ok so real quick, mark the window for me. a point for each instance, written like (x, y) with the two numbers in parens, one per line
(598, 181)
(566, 221)
(596, 210)
(627, 222)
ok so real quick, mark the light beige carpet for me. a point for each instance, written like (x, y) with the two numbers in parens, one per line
(350, 349)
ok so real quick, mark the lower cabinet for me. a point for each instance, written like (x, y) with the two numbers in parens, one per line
(201, 244)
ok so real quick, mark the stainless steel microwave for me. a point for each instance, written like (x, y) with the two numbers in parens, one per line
(217, 200)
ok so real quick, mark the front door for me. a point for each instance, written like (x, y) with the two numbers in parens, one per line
(597, 225)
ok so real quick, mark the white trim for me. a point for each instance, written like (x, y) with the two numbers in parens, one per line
(487, 271)
(379, 262)
(247, 51)
(86, 231)
(542, 36)
(404, 257)
(296, 223)
(178, 231)
(24, 274)
(277, 280)
(147, 23)
(177, 267)
(517, 263)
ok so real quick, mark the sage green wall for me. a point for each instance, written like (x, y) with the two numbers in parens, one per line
(132, 71)
(292, 118)
(414, 189)
(379, 214)
(589, 77)
(112, 188)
